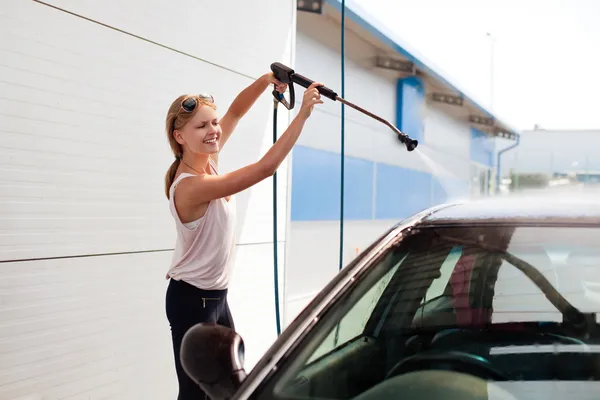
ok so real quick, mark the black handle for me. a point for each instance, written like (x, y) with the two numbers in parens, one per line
(282, 72)
(304, 81)
(287, 75)
(284, 75)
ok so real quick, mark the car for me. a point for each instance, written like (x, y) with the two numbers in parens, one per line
(468, 300)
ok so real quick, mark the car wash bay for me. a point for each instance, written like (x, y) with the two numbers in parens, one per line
(87, 237)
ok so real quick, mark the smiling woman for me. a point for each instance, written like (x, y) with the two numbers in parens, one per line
(202, 204)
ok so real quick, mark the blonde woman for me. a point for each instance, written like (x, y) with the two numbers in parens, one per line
(201, 202)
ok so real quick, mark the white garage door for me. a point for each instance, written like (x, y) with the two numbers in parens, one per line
(86, 237)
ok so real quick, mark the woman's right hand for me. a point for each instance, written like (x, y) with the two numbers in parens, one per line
(310, 98)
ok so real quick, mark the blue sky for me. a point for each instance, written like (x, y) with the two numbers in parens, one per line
(546, 58)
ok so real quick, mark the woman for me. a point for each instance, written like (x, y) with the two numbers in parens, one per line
(202, 204)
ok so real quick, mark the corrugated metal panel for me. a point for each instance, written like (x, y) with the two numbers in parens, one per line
(83, 149)
(202, 28)
(81, 119)
(92, 327)
(82, 159)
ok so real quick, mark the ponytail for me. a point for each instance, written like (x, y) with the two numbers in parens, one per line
(170, 176)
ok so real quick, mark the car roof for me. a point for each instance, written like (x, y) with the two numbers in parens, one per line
(544, 207)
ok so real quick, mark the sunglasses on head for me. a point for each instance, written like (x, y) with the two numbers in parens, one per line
(189, 104)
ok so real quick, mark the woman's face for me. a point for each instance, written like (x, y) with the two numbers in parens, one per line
(202, 133)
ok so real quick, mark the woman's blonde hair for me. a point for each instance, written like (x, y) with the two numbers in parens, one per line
(177, 120)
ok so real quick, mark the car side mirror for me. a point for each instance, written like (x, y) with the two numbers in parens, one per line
(213, 357)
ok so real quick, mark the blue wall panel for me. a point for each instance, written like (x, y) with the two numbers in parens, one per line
(316, 186)
(482, 148)
(400, 192)
(358, 189)
(409, 106)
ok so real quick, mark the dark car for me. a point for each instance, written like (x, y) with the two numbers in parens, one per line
(494, 299)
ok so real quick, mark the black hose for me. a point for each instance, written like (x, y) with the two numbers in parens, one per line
(275, 255)
(342, 156)
(342, 139)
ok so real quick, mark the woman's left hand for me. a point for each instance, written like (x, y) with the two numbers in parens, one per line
(279, 86)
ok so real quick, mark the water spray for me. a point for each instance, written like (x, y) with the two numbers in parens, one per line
(288, 76)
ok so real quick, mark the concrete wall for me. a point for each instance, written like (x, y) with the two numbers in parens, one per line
(86, 232)
(383, 182)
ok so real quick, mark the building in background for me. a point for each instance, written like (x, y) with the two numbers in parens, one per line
(550, 158)
(87, 235)
(383, 182)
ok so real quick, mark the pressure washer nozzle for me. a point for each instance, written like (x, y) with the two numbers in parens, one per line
(410, 144)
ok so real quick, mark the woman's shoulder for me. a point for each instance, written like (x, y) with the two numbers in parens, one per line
(178, 177)
(181, 175)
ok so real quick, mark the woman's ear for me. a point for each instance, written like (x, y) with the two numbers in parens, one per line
(178, 137)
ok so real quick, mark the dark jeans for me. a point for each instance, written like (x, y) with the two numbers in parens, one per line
(186, 306)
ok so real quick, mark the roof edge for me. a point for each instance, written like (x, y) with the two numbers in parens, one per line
(382, 32)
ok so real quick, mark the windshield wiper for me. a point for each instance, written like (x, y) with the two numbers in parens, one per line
(570, 313)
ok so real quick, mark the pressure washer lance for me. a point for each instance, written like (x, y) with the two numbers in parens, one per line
(288, 76)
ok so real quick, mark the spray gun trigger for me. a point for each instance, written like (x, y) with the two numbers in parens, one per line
(279, 97)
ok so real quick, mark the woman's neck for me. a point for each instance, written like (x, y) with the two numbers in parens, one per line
(198, 163)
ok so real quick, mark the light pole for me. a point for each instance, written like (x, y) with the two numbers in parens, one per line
(492, 49)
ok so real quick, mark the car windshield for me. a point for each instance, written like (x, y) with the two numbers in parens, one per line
(471, 312)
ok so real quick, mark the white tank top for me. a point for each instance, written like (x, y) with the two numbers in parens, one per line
(205, 248)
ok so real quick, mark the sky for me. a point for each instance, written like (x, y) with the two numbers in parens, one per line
(546, 53)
